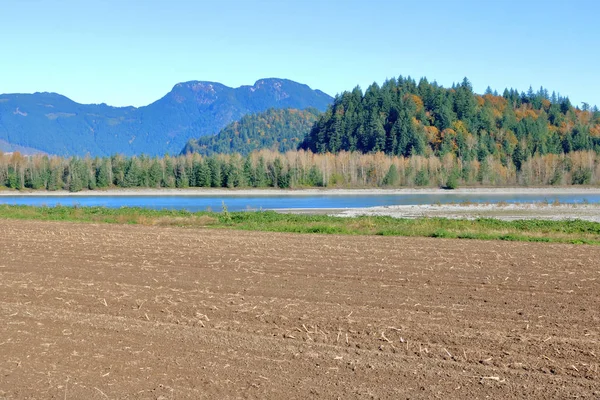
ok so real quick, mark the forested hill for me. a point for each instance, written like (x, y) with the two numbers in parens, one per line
(52, 123)
(276, 129)
(403, 117)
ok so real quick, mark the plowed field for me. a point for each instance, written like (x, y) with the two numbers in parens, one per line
(114, 311)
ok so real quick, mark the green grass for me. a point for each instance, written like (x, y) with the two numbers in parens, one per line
(572, 231)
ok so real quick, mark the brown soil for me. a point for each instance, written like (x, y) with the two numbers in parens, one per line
(108, 311)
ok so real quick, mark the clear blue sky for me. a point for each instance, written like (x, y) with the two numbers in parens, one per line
(132, 52)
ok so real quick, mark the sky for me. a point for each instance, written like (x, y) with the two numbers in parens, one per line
(132, 52)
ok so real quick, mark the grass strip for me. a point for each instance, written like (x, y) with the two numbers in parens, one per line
(534, 230)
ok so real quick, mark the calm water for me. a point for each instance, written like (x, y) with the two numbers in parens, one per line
(237, 203)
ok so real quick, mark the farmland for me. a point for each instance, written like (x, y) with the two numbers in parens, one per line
(102, 311)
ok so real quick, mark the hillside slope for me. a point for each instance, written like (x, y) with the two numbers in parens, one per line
(403, 117)
(277, 129)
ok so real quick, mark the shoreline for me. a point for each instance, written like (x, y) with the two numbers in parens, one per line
(201, 192)
(506, 212)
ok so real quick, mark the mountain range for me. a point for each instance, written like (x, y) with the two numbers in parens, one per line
(54, 124)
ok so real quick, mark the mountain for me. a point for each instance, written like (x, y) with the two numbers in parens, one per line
(54, 124)
(403, 117)
(7, 148)
(277, 129)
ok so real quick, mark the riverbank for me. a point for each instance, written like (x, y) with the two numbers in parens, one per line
(568, 231)
(501, 211)
(549, 191)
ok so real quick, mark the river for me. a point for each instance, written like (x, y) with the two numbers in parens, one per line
(275, 202)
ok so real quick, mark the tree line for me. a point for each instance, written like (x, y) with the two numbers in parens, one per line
(293, 169)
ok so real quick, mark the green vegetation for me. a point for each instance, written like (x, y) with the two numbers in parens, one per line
(276, 129)
(575, 232)
(404, 118)
(294, 169)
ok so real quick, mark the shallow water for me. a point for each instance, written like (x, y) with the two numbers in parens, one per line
(274, 202)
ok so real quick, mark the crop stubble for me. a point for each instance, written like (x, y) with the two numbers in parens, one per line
(115, 311)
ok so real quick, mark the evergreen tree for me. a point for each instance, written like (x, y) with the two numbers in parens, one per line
(377, 132)
(103, 174)
(133, 173)
(392, 178)
(155, 173)
(204, 178)
(169, 173)
(216, 177)
(262, 179)
(181, 177)
(248, 172)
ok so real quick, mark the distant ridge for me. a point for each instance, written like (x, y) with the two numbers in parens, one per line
(54, 124)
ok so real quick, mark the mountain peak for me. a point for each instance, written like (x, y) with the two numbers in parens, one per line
(199, 92)
(278, 83)
(200, 86)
